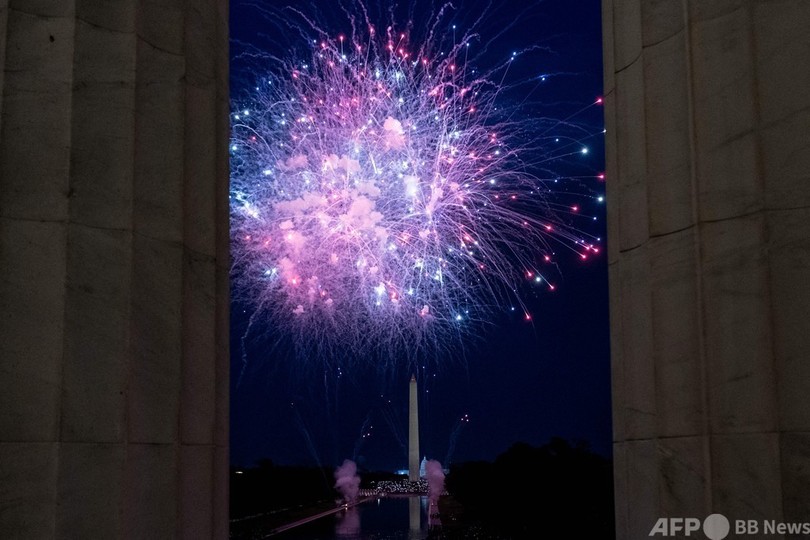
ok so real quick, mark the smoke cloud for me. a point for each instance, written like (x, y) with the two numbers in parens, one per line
(394, 133)
(435, 478)
(348, 483)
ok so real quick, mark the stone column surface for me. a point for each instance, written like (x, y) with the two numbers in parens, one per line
(708, 168)
(113, 269)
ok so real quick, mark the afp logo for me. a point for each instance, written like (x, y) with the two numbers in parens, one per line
(715, 527)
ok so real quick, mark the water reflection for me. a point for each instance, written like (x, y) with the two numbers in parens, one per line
(387, 518)
(380, 519)
(348, 524)
(434, 519)
(414, 518)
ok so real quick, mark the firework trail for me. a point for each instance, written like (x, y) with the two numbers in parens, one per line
(302, 427)
(385, 198)
(395, 422)
(451, 446)
(365, 432)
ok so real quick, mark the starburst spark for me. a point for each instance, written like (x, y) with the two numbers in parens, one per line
(385, 196)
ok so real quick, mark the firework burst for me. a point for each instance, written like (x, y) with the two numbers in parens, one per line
(385, 195)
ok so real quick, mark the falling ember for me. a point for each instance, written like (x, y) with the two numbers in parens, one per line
(399, 217)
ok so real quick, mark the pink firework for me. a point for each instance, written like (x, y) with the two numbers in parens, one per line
(385, 196)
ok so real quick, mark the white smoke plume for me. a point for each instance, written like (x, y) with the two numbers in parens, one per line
(347, 482)
(435, 478)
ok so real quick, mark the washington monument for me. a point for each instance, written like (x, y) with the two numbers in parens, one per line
(413, 432)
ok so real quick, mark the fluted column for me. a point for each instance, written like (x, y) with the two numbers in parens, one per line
(709, 233)
(113, 269)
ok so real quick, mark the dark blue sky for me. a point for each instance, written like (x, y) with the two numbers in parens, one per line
(520, 381)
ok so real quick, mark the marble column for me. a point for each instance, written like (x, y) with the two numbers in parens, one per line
(113, 269)
(708, 168)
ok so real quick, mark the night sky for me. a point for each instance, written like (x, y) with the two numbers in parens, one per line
(517, 381)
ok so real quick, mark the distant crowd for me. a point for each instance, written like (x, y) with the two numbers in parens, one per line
(399, 486)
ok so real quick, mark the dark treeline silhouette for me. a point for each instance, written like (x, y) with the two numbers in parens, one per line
(269, 487)
(371, 478)
(557, 490)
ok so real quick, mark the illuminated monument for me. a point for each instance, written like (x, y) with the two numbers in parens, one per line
(413, 432)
